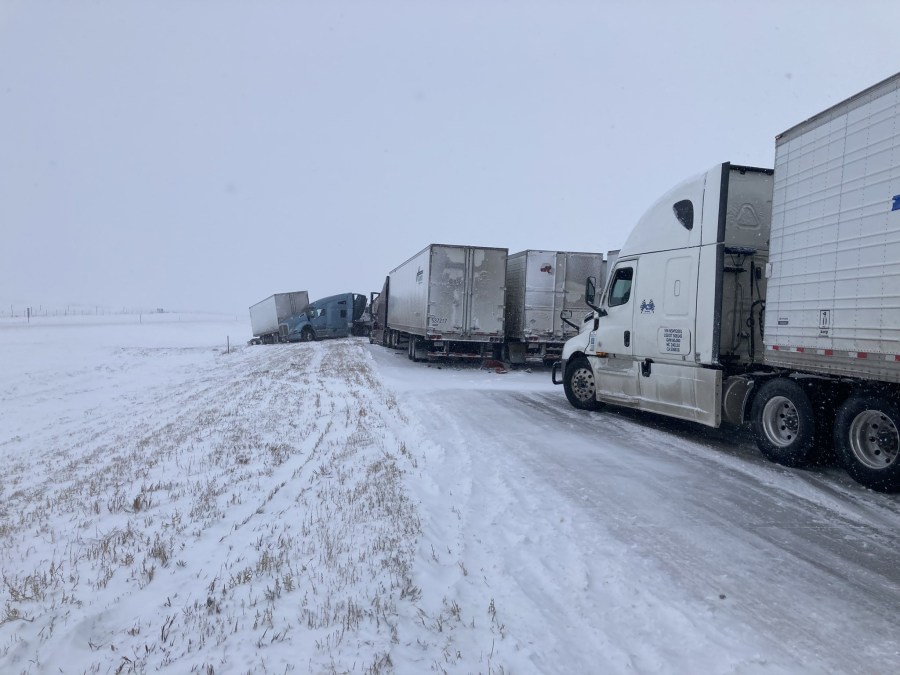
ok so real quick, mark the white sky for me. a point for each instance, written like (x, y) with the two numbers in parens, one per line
(204, 155)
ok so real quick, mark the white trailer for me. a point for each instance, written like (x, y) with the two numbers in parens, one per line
(834, 267)
(770, 297)
(447, 300)
(267, 317)
(540, 287)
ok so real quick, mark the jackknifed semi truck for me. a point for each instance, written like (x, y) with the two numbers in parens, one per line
(767, 296)
(336, 316)
(446, 300)
(267, 317)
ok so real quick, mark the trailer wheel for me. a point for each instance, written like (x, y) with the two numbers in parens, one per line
(867, 441)
(579, 384)
(308, 335)
(784, 423)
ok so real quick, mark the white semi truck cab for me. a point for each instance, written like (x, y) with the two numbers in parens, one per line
(681, 312)
(681, 328)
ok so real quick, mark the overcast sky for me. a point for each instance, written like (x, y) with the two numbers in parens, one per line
(205, 154)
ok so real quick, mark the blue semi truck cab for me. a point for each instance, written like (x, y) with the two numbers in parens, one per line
(332, 317)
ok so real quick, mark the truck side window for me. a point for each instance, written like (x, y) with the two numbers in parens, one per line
(620, 288)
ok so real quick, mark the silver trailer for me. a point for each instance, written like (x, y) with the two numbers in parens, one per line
(447, 301)
(540, 287)
(267, 317)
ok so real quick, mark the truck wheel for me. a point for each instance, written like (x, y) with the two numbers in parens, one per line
(867, 441)
(579, 384)
(784, 423)
(308, 335)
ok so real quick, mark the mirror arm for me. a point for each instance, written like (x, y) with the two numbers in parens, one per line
(598, 310)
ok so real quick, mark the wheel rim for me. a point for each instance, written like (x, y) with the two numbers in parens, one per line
(583, 384)
(780, 421)
(874, 439)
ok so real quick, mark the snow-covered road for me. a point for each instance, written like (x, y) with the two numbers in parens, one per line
(618, 541)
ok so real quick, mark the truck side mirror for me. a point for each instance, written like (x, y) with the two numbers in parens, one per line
(590, 296)
(566, 316)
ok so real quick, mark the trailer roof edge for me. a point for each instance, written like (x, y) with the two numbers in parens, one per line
(886, 86)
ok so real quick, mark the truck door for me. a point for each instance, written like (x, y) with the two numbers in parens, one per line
(318, 320)
(671, 380)
(484, 296)
(617, 370)
(338, 313)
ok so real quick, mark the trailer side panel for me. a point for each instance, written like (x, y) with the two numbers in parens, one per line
(834, 274)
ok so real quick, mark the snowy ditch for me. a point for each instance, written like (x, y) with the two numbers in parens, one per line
(211, 512)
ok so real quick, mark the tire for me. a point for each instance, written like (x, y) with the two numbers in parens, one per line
(784, 423)
(308, 335)
(579, 384)
(411, 349)
(867, 441)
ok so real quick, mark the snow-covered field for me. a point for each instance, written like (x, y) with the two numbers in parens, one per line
(333, 507)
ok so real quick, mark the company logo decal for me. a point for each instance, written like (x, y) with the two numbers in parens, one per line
(549, 270)
(896, 206)
(647, 307)
(747, 217)
(419, 276)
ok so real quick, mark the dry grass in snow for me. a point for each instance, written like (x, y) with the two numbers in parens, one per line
(243, 512)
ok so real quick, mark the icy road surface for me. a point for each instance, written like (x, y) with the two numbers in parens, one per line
(334, 507)
(624, 542)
